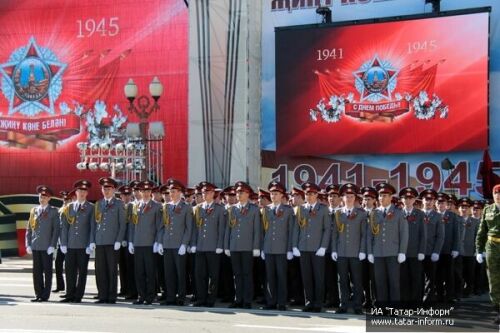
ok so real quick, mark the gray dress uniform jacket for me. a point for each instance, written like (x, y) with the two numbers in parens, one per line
(392, 236)
(471, 226)
(435, 232)
(109, 220)
(243, 228)
(313, 228)
(417, 233)
(149, 222)
(43, 229)
(129, 208)
(451, 232)
(179, 228)
(278, 222)
(77, 225)
(349, 232)
(210, 226)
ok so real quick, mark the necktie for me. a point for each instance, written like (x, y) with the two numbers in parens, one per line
(385, 212)
(276, 210)
(77, 207)
(348, 213)
(310, 209)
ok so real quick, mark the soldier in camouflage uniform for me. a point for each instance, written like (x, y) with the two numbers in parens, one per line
(488, 245)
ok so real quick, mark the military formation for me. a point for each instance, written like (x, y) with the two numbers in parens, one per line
(341, 247)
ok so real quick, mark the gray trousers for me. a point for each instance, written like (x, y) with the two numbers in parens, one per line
(350, 270)
(387, 280)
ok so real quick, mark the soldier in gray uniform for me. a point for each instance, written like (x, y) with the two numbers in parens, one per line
(277, 221)
(143, 234)
(445, 284)
(387, 245)
(331, 273)
(242, 241)
(468, 244)
(60, 256)
(412, 269)
(433, 244)
(349, 247)
(110, 227)
(369, 203)
(207, 244)
(126, 262)
(173, 239)
(312, 234)
(42, 233)
(77, 232)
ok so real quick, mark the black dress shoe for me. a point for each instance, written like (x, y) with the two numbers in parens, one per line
(130, 297)
(101, 301)
(247, 306)
(35, 299)
(317, 309)
(281, 307)
(148, 302)
(66, 300)
(96, 297)
(358, 311)
(138, 302)
(43, 300)
(57, 290)
(111, 301)
(341, 310)
(63, 296)
(235, 305)
(76, 300)
(269, 307)
(210, 305)
(308, 309)
(168, 303)
(199, 303)
(180, 302)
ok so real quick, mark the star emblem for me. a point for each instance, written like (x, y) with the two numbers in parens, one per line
(375, 80)
(32, 79)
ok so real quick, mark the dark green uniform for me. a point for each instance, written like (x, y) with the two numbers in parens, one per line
(488, 240)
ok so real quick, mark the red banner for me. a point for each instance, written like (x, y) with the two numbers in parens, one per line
(376, 88)
(61, 127)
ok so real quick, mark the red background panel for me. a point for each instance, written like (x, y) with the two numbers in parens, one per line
(459, 50)
(152, 41)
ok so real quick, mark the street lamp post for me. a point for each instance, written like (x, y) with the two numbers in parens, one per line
(143, 110)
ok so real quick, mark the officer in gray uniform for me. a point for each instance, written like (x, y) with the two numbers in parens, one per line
(242, 241)
(445, 285)
(387, 245)
(433, 244)
(42, 233)
(468, 245)
(77, 232)
(207, 244)
(331, 272)
(412, 269)
(110, 227)
(349, 247)
(173, 239)
(277, 221)
(369, 202)
(143, 234)
(312, 235)
(126, 261)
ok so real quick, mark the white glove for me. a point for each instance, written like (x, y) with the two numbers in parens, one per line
(131, 248)
(434, 257)
(155, 247)
(217, 251)
(262, 255)
(334, 256)
(124, 243)
(64, 249)
(321, 252)
(420, 256)
(296, 252)
(193, 249)
(256, 252)
(182, 250)
(454, 254)
(362, 256)
(289, 255)
(117, 246)
(371, 259)
(401, 258)
(479, 258)
(159, 248)
(50, 250)
(227, 252)
(28, 250)
(189, 249)
(92, 247)
(87, 250)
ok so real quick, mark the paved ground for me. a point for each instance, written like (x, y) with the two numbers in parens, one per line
(18, 314)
